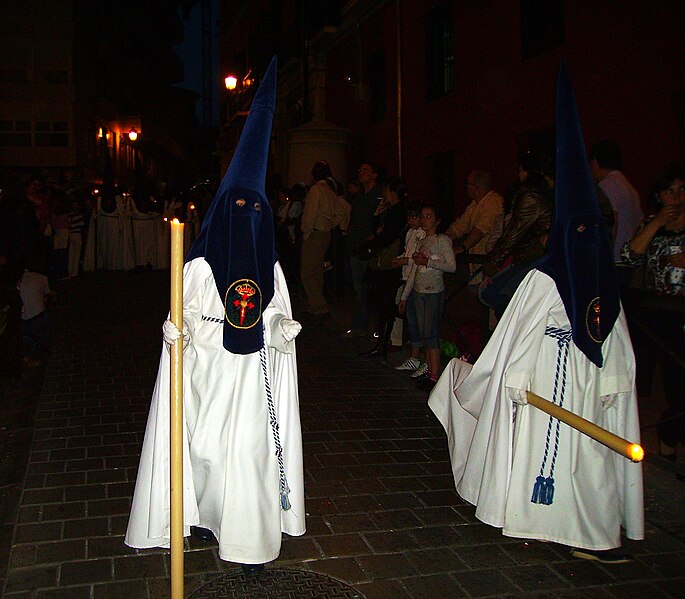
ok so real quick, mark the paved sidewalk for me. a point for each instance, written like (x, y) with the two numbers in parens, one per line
(383, 515)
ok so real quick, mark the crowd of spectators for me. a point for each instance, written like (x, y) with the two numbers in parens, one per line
(395, 259)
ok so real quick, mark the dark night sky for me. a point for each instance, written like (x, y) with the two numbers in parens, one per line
(190, 52)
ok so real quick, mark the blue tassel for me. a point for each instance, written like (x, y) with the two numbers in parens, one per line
(538, 490)
(285, 502)
(549, 491)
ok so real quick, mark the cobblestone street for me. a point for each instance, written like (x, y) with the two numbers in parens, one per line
(382, 512)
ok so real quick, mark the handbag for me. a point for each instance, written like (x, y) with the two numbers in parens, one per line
(382, 259)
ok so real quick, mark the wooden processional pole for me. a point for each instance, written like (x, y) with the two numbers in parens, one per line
(176, 415)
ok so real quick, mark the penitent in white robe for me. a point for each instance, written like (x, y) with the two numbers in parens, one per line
(497, 447)
(231, 474)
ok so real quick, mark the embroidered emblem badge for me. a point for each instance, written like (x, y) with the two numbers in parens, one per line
(592, 321)
(243, 304)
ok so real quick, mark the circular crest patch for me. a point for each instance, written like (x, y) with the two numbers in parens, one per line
(592, 321)
(243, 304)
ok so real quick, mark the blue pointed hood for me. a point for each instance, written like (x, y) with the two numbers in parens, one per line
(579, 253)
(237, 235)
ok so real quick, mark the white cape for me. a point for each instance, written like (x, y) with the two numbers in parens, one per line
(230, 469)
(497, 447)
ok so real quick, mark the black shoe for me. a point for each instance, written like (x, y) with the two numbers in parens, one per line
(427, 384)
(252, 569)
(372, 353)
(605, 557)
(201, 534)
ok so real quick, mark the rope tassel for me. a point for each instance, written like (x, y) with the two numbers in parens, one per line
(543, 489)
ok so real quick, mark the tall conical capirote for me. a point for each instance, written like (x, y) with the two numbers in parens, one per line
(579, 253)
(237, 235)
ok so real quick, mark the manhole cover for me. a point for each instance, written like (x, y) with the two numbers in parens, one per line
(276, 583)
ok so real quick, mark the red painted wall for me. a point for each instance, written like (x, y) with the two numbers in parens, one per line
(626, 59)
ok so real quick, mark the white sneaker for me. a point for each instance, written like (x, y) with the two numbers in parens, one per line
(422, 369)
(409, 364)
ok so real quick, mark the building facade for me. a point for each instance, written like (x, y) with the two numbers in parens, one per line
(79, 80)
(433, 89)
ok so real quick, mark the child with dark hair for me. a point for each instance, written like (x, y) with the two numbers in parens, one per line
(424, 292)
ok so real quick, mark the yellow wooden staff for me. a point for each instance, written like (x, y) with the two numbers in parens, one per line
(176, 416)
(632, 451)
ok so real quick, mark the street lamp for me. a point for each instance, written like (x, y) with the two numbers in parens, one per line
(231, 82)
(132, 134)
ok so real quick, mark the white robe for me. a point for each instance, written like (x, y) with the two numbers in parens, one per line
(231, 475)
(497, 447)
(109, 244)
(144, 228)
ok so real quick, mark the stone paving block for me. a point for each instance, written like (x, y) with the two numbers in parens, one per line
(389, 565)
(667, 565)
(393, 501)
(407, 483)
(33, 533)
(582, 573)
(56, 511)
(80, 592)
(118, 524)
(395, 519)
(104, 507)
(382, 589)
(23, 556)
(437, 586)
(57, 552)
(341, 523)
(139, 566)
(160, 588)
(346, 569)
(71, 453)
(45, 468)
(532, 552)
(361, 486)
(299, 549)
(484, 556)
(343, 545)
(480, 583)
(438, 515)
(105, 476)
(434, 561)
(108, 547)
(65, 479)
(84, 464)
(673, 587)
(124, 489)
(102, 451)
(31, 513)
(131, 589)
(34, 481)
(86, 527)
(199, 562)
(436, 536)
(85, 492)
(24, 579)
(393, 540)
(537, 578)
(356, 503)
(90, 571)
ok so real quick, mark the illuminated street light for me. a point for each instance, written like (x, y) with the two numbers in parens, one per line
(231, 83)
(132, 134)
